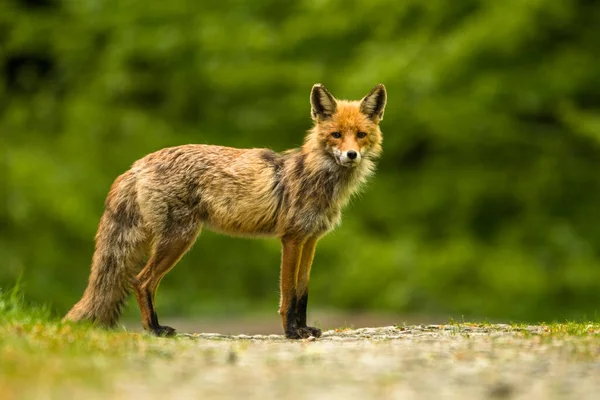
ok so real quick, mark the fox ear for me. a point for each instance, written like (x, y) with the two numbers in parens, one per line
(373, 104)
(322, 103)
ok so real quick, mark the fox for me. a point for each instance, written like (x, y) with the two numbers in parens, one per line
(154, 212)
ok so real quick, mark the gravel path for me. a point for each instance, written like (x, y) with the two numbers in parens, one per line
(412, 362)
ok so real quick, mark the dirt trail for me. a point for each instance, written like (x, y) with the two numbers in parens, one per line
(412, 362)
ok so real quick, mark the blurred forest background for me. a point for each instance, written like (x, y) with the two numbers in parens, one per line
(486, 200)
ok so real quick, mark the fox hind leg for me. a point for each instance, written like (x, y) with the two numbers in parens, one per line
(166, 253)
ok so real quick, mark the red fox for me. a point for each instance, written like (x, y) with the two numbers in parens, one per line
(156, 209)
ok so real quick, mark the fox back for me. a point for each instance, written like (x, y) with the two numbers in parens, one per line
(260, 192)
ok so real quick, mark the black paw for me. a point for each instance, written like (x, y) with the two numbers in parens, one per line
(316, 332)
(292, 335)
(303, 333)
(163, 331)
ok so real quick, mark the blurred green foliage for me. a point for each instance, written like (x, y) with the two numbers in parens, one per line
(486, 199)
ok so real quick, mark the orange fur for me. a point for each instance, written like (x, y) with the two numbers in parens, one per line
(159, 206)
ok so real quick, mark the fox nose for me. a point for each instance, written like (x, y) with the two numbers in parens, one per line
(352, 154)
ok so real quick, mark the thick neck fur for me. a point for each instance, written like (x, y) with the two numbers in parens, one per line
(324, 172)
(314, 187)
(315, 179)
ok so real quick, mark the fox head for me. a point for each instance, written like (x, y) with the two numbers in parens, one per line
(348, 131)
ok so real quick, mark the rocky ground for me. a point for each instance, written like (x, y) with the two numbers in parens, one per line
(466, 361)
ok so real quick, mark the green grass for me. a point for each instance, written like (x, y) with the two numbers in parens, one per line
(555, 329)
(60, 358)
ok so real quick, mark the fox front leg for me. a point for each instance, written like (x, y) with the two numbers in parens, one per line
(288, 307)
(308, 254)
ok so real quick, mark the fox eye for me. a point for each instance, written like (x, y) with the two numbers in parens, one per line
(336, 135)
(361, 135)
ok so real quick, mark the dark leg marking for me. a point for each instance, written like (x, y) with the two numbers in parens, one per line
(301, 310)
(304, 331)
(154, 326)
(291, 326)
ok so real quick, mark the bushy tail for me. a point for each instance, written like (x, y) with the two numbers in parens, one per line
(117, 258)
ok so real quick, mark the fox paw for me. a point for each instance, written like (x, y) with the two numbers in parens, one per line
(163, 331)
(303, 333)
(316, 332)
